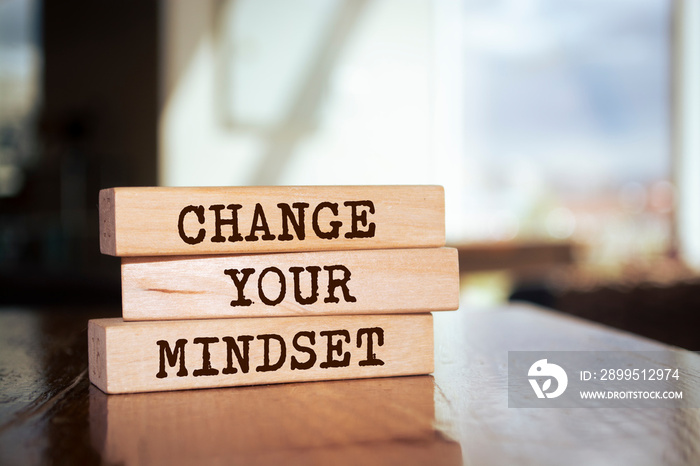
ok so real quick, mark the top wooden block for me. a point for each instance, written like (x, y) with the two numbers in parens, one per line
(229, 220)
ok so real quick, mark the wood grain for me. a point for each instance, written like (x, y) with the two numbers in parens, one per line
(152, 221)
(171, 355)
(375, 421)
(274, 285)
(48, 414)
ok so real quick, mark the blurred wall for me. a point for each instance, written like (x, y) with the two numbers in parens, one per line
(686, 106)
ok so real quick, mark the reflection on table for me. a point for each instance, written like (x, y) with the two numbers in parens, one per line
(373, 421)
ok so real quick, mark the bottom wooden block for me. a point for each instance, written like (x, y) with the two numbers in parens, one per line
(127, 357)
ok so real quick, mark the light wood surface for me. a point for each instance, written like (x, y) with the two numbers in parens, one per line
(316, 283)
(473, 346)
(172, 355)
(154, 221)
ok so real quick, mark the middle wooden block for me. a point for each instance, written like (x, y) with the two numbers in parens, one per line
(293, 284)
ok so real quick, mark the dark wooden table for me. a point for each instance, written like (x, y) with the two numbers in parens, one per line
(49, 412)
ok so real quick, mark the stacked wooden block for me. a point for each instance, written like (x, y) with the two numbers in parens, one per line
(244, 286)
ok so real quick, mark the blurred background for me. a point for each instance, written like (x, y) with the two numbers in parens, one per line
(566, 134)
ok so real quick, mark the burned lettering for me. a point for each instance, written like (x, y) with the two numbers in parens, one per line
(292, 224)
(172, 357)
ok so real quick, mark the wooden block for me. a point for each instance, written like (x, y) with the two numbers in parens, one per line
(273, 285)
(193, 221)
(173, 355)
